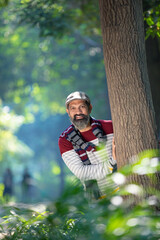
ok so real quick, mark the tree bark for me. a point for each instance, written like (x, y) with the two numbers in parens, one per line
(127, 78)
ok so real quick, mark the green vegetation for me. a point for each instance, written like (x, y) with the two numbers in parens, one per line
(152, 18)
(72, 216)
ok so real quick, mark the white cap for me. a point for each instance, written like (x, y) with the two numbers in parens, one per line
(77, 95)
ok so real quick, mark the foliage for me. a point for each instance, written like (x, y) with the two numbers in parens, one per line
(60, 17)
(3, 3)
(152, 18)
(9, 143)
(73, 217)
(43, 71)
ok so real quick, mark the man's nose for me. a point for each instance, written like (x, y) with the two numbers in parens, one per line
(79, 110)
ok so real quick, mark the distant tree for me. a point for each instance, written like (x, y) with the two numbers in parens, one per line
(40, 72)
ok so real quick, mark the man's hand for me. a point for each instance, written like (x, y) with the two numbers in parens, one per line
(113, 149)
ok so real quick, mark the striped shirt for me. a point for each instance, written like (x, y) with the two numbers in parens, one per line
(101, 160)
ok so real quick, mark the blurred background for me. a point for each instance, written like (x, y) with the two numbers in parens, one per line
(47, 50)
(37, 74)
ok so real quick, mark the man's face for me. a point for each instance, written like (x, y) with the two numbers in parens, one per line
(79, 112)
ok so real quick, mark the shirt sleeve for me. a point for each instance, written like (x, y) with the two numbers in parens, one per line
(84, 172)
(64, 145)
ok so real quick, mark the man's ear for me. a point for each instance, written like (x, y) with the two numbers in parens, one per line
(67, 110)
(90, 108)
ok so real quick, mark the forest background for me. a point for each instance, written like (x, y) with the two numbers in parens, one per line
(49, 49)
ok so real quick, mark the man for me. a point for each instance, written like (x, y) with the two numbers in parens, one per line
(87, 146)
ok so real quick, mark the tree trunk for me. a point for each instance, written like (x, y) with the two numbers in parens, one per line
(127, 78)
(153, 62)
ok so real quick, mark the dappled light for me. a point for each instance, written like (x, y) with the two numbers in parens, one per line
(119, 178)
(56, 170)
(134, 189)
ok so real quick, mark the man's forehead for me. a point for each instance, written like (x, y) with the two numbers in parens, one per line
(77, 102)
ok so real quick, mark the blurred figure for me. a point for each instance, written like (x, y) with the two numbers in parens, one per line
(8, 184)
(27, 185)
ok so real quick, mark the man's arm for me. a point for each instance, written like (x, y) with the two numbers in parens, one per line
(100, 165)
(85, 172)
